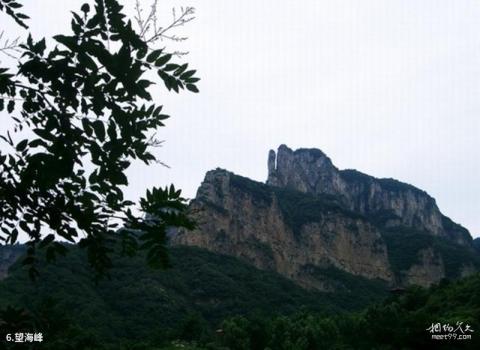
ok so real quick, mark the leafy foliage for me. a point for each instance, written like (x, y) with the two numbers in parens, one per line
(12, 9)
(88, 105)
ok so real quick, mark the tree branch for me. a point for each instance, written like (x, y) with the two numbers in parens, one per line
(151, 31)
(9, 47)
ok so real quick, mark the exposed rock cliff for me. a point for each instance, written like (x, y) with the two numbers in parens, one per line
(254, 221)
(311, 217)
(389, 202)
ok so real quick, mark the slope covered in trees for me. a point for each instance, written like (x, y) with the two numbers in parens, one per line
(199, 291)
(211, 301)
(400, 322)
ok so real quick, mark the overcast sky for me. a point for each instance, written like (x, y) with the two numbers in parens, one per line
(391, 88)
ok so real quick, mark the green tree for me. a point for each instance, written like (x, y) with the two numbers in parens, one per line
(236, 333)
(83, 114)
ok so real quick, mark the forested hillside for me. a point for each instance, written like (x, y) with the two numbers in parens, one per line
(401, 322)
(210, 301)
(138, 303)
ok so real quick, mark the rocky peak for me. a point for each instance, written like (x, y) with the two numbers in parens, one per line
(215, 184)
(306, 170)
(310, 217)
(389, 202)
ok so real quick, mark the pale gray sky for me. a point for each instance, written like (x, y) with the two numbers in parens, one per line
(391, 88)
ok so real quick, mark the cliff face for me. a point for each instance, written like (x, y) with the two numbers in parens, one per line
(239, 217)
(311, 217)
(388, 202)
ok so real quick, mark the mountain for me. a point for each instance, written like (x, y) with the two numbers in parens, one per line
(298, 253)
(137, 303)
(388, 202)
(310, 218)
(212, 301)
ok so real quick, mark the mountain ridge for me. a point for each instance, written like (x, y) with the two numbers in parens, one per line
(311, 171)
(309, 213)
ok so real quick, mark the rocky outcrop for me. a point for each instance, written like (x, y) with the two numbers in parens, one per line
(389, 202)
(310, 216)
(240, 217)
(429, 269)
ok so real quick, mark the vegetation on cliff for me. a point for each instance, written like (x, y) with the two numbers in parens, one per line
(404, 245)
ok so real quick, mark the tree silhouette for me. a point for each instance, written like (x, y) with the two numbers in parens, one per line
(83, 114)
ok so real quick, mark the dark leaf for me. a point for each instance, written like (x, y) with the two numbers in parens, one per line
(192, 88)
(85, 8)
(99, 130)
(153, 55)
(170, 67)
(163, 60)
(22, 145)
(10, 106)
